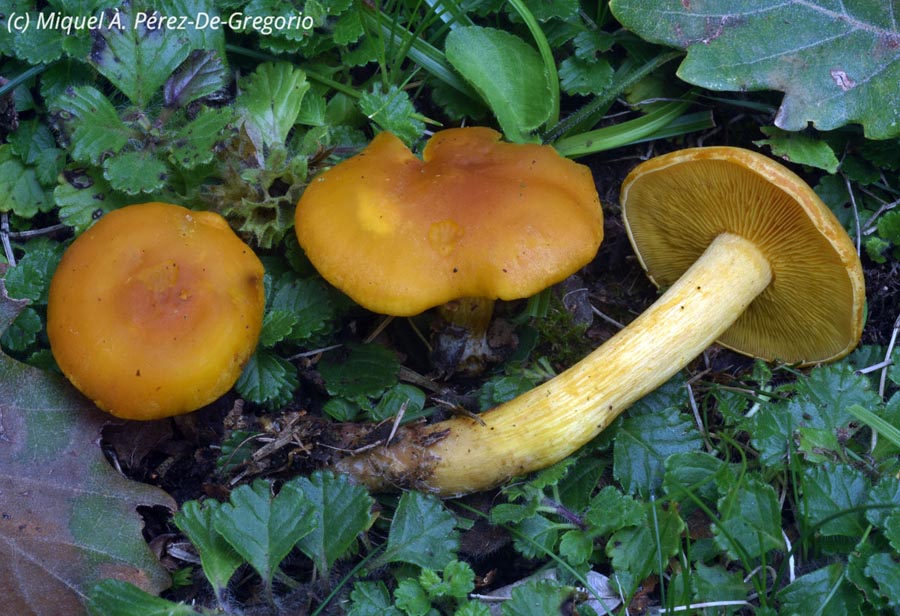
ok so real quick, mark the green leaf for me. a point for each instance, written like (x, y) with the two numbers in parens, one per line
(135, 172)
(118, 598)
(371, 599)
(360, 372)
(40, 45)
(218, 559)
(831, 490)
(83, 196)
(95, 128)
(885, 570)
(30, 278)
(578, 76)
(507, 73)
(639, 550)
(576, 547)
(458, 581)
(262, 528)
(137, 59)
(412, 598)
(193, 144)
(610, 510)
(23, 331)
(268, 379)
(277, 325)
(423, 532)
(889, 227)
(714, 583)
(340, 512)
(644, 441)
(270, 102)
(750, 519)
(309, 300)
(695, 471)
(20, 191)
(824, 591)
(536, 536)
(535, 598)
(400, 396)
(392, 111)
(30, 139)
(838, 64)
(800, 148)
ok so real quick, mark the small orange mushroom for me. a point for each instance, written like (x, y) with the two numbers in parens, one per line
(473, 221)
(155, 309)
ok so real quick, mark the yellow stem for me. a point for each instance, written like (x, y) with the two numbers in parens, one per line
(553, 420)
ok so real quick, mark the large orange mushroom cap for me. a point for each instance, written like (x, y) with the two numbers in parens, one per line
(475, 217)
(155, 309)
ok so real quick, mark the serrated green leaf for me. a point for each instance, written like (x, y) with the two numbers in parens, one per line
(262, 528)
(576, 547)
(95, 127)
(423, 532)
(218, 559)
(193, 144)
(885, 497)
(83, 196)
(410, 597)
(839, 65)
(30, 139)
(892, 529)
(30, 278)
(507, 73)
(591, 43)
(23, 331)
(136, 59)
(750, 519)
(535, 598)
(610, 510)
(118, 598)
(889, 227)
(644, 441)
(20, 191)
(135, 172)
(535, 536)
(308, 300)
(392, 111)
(340, 512)
(270, 101)
(371, 599)
(340, 409)
(637, 551)
(42, 45)
(268, 379)
(359, 372)
(800, 148)
(277, 325)
(578, 76)
(695, 472)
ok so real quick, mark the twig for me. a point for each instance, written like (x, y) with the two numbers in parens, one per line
(855, 215)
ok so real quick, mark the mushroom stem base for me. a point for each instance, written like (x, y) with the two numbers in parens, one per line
(556, 418)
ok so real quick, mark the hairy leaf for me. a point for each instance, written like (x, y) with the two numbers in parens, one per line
(836, 62)
(200, 75)
(68, 519)
(423, 532)
(20, 191)
(270, 101)
(95, 128)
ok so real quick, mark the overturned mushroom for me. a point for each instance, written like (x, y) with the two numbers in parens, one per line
(474, 220)
(750, 256)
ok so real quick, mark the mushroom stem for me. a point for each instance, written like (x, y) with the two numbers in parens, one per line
(553, 420)
(461, 342)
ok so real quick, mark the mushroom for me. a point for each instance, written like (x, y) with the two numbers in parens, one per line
(473, 221)
(750, 256)
(155, 309)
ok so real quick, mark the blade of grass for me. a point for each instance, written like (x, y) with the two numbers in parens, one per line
(610, 137)
(885, 429)
(625, 77)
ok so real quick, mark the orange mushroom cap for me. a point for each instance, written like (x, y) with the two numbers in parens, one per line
(155, 309)
(674, 205)
(475, 217)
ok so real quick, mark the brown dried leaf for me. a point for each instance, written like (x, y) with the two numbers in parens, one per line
(67, 519)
